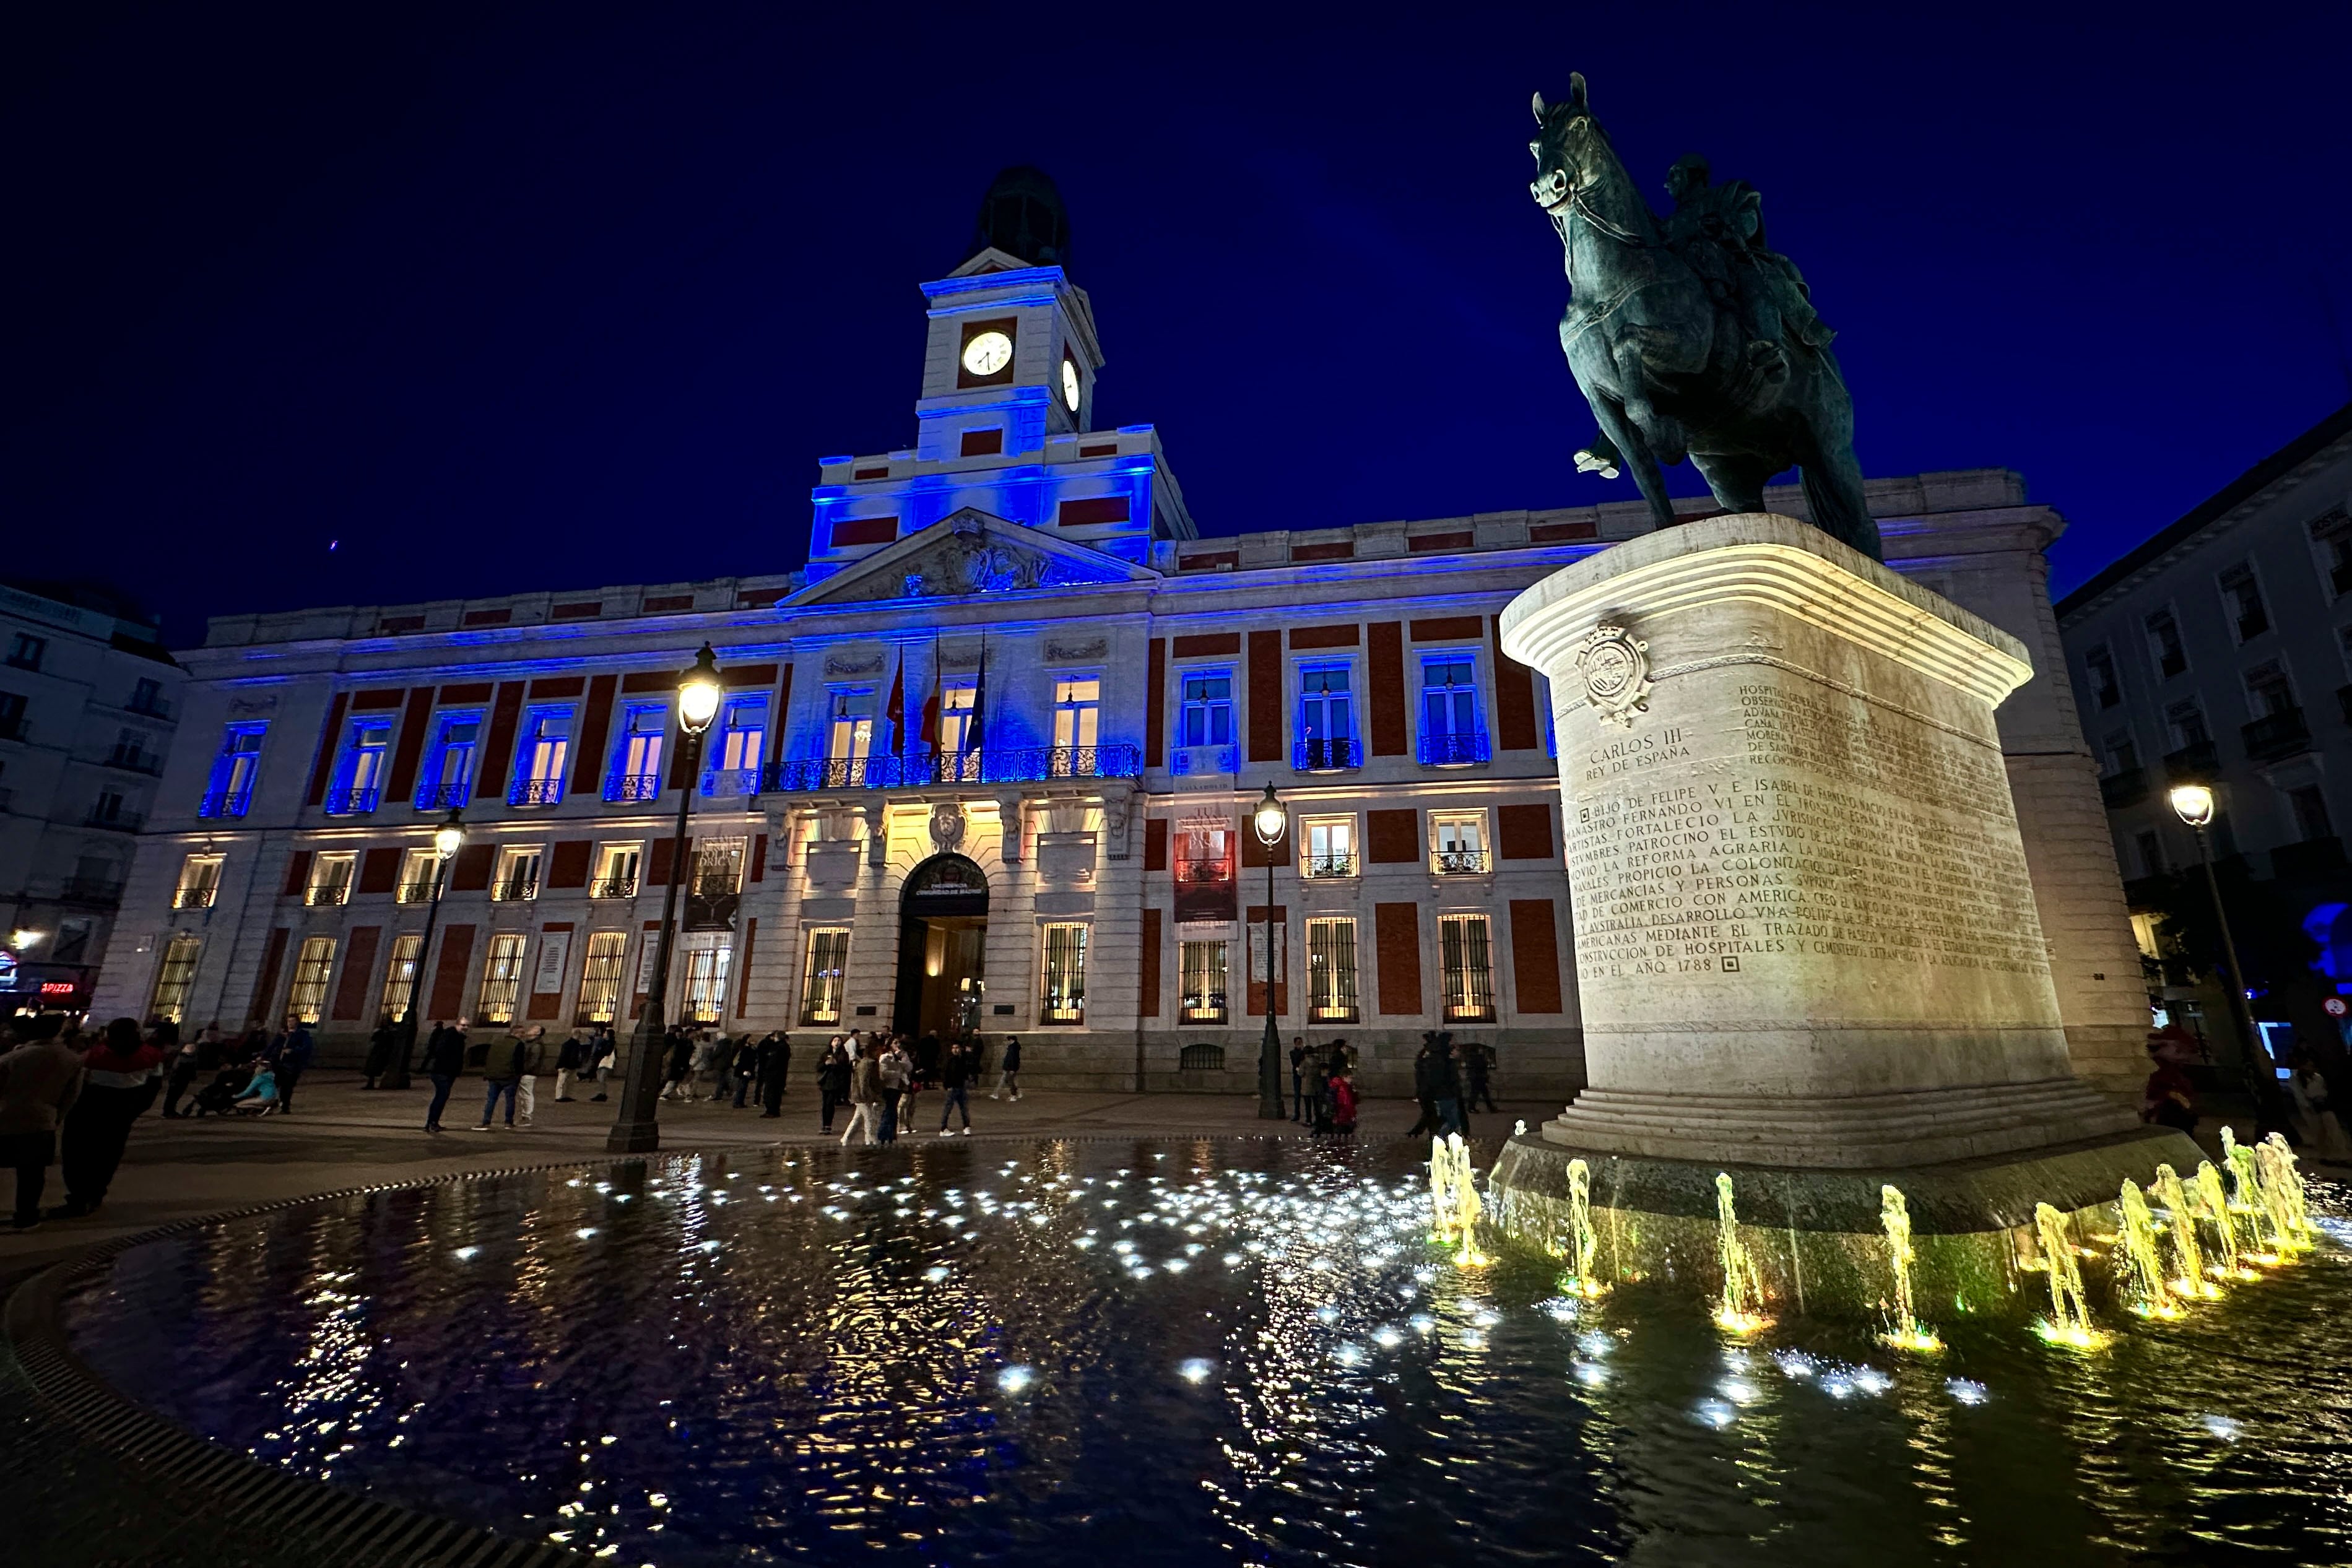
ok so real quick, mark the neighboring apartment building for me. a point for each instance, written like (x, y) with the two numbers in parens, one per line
(990, 761)
(87, 706)
(2220, 652)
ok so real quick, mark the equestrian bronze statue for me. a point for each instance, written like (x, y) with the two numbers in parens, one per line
(1691, 337)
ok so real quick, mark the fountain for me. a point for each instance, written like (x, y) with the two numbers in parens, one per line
(2188, 1259)
(2216, 1206)
(1584, 1243)
(1906, 1331)
(2247, 1198)
(1441, 1153)
(2152, 1292)
(2069, 1322)
(2282, 1194)
(1467, 1209)
(1741, 1307)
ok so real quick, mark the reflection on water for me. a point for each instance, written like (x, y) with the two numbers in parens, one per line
(1174, 1353)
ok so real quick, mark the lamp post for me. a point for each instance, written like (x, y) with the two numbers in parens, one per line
(636, 1130)
(446, 840)
(1272, 824)
(2193, 804)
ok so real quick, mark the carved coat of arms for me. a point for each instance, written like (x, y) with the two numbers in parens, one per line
(947, 825)
(1616, 670)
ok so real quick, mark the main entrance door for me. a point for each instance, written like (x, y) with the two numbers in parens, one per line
(942, 935)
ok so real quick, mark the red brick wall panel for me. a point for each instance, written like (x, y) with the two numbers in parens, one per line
(449, 975)
(1265, 696)
(1392, 837)
(1397, 943)
(1535, 956)
(359, 969)
(1385, 681)
(1525, 833)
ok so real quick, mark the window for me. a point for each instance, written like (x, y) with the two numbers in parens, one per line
(2099, 667)
(1201, 1056)
(1065, 974)
(600, 978)
(2164, 643)
(821, 976)
(419, 870)
(1465, 954)
(26, 651)
(1459, 840)
(740, 744)
(1204, 851)
(147, 697)
(2123, 757)
(2242, 596)
(636, 761)
(706, 981)
(717, 868)
(1331, 970)
(12, 716)
(110, 812)
(449, 766)
(2187, 722)
(230, 791)
(200, 877)
(2333, 531)
(958, 697)
(850, 735)
(1206, 715)
(1331, 843)
(1077, 715)
(1202, 966)
(2267, 689)
(617, 872)
(1326, 719)
(358, 777)
(330, 879)
(539, 773)
(517, 876)
(502, 977)
(400, 976)
(2152, 854)
(175, 976)
(311, 966)
(2310, 805)
(1451, 735)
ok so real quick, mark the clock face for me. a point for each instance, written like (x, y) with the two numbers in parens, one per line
(1069, 386)
(988, 353)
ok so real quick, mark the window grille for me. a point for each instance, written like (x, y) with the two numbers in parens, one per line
(502, 977)
(400, 975)
(175, 976)
(600, 977)
(1202, 966)
(821, 982)
(706, 983)
(1202, 1057)
(1065, 974)
(309, 998)
(1331, 970)
(1464, 952)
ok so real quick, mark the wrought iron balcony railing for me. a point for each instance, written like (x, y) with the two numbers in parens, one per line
(195, 897)
(413, 893)
(448, 795)
(1458, 862)
(130, 760)
(2125, 788)
(1024, 763)
(2282, 734)
(149, 708)
(536, 792)
(225, 802)
(1204, 873)
(723, 783)
(353, 802)
(325, 892)
(118, 821)
(1013, 765)
(633, 786)
(1454, 750)
(1331, 865)
(613, 887)
(513, 888)
(1327, 754)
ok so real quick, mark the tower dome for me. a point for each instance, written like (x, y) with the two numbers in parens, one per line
(1023, 215)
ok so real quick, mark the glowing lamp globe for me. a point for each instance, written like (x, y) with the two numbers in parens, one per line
(1270, 819)
(2192, 803)
(697, 694)
(448, 836)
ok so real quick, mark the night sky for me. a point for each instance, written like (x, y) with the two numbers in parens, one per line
(505, 298)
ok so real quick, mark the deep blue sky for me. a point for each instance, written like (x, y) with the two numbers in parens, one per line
(505, 297)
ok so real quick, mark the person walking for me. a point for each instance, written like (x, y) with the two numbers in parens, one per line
(118, 1081)
(600, 1055)
(1454, 1101)
(501, 1073)
(444, 1059)
(1298, 1078)
(1343, 1102)
(1009, 1081)
(955, 1077)
(288, 1059)
(39, 1081)
(679, 1065)
(747, 1068)
(832, 1082)
(1478, 1061)
(774, 1055)
(569, 1058)
(195, 1058)
(1426, 1084)
(380, 1046)
(865, 1099)
(897, 1074)
(528, 1058)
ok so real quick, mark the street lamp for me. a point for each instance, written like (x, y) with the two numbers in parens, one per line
(1273, 824)
(447, 841)
(637, 1131)
(2193, 804)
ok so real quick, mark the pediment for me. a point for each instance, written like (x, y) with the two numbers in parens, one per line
(969, 553)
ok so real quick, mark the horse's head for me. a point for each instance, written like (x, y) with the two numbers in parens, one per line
(1571, 151)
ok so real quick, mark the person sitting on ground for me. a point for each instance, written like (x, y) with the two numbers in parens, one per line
(259, 1095)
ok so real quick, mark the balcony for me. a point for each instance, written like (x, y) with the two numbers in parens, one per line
(115, 820)
(1331, 865)
(225, 802)
(1459, 863)
(1330, 754)
(353, 802)
(2313, 860)
(158, 708)
(1011, 765)
(613, 887)
(199, 897)
(1455, 751)
(130, 760)
(413, 893)
(448, 795)
(536, 792)
(727, 783)
(321, 894)
(1184, 761)
(2277, 735)
(515, 889)
(2197, 763)
(94, 892)
(2125, 788)
(633, 786)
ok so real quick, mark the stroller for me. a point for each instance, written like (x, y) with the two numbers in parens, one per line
(219, 1096)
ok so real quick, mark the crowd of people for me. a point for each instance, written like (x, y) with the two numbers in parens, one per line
(881, 1078)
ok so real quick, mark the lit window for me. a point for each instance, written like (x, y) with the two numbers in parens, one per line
(1465, 956)
(1065, 974)
(359, 786)
(1330, 844)
(175, 976)
(400, 976)
(448, 778)
(1204, 851)
(1077, 716)
(502, 977)
(1331, 970)
(1202, 967)
(200, 878)
(1458, 841)
(600, 977)
(419, 870)
(230, 791)
(517, 876)
(822, 976)
(636, 761)
(311, 966)
(539, 773)
(850, 737)
(717, 868)
(617, 872)
(1452, 734)
(959, 739)
(1206, 717)
(1326, 719)
(330, 879)
(736, 747)
(706, 982)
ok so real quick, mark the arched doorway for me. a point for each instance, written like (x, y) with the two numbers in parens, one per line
(942, 936)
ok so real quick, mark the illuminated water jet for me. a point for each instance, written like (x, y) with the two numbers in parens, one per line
(1741, 1307)
(1906, 1331)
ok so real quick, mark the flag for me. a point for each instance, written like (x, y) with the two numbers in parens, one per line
(931, 706)
(897, 712)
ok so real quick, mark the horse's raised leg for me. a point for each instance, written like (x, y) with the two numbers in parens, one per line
(1626, 436)
(1834, 495)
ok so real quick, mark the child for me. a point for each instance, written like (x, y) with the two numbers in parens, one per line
(1343, 1102)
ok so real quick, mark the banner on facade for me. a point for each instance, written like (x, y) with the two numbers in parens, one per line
(554, 951)
(1258, 930)
(646, 953)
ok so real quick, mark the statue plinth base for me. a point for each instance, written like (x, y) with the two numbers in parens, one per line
(1805, 933)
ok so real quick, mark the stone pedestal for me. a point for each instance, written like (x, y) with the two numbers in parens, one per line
(1805, 933)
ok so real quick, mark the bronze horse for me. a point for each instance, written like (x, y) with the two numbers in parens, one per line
(1661, 335)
